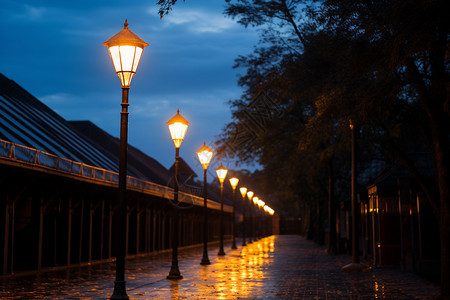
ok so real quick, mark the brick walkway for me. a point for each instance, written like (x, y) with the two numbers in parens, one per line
(276, 267)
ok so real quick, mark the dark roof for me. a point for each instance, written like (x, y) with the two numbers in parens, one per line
(184, 169)
(371, 171)
(186, 178)
(138, 163)
(27, 121)
(421, 161)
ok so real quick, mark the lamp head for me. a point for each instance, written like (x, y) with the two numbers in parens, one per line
(221, 173)
(204, 155)
(234, 182)
(178, 127)
(125, 49)
(243, 191)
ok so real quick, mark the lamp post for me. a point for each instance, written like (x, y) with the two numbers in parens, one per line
(261, 225)
(355, 266)
(221, 174)
(265, 220)
(250, 197)
(243, 191)
(255, 224)
(177, 127)
(234, 182)
(125, 49)
(204, 155)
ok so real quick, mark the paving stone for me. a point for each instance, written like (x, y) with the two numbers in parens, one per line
(275, 267)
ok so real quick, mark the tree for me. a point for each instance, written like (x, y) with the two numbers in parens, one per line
(411, 40)
(382, 64)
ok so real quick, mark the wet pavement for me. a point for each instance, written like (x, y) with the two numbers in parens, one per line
(275, 267)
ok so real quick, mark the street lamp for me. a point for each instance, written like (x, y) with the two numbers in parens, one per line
(265, 220)
(260, 215)
(125, 49)
(355, 266)
(243, 191)
(234, 182)
(177, 127)
(204, 155)
(221, 174)
(250, 196)
(254, 218)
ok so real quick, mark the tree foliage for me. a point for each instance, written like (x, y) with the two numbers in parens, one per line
(383, 65)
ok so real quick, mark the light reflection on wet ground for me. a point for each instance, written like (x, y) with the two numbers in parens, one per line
(276, 267)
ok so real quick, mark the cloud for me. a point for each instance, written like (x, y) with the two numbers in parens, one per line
(24, 12)
(56, 98)
(198, 21)
(34, 12)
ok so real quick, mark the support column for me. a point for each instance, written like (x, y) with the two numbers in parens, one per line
(127, 227)
(147, 233)
(69, 230)
(11, 247)
(91, 217)
(110, 222)
(102, 227)
(138, 221)
(6, 245)
(154, 220)
(40, 232)
(80, 245)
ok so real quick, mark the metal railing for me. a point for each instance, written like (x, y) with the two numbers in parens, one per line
(31, 156)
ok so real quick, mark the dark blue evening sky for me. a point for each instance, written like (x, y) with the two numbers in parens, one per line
(54, 50)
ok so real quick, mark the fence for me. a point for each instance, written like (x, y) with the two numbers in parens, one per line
(31, 156)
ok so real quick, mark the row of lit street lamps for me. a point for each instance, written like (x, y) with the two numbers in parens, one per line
(125, 49)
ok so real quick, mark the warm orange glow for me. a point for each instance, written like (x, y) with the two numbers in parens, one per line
(125, 49)
(178, 127)
(204, 155)
(255, 200)
(234, 182)
(250, 195)
(221, 173)
(243, 191)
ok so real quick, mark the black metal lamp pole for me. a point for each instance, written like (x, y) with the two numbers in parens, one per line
(355, 215)
(233, 246)
(221, 174)
(221, 251)
(125, 64)
(250, 197)
(177, 127)
(174, 270)
(120, 284)
(234, 182)
(250, 222)
(243, 191)
(355, 266)
(205, 258)
(254, 224)
(204, 156)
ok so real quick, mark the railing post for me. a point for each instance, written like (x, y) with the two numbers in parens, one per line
(12, 149)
